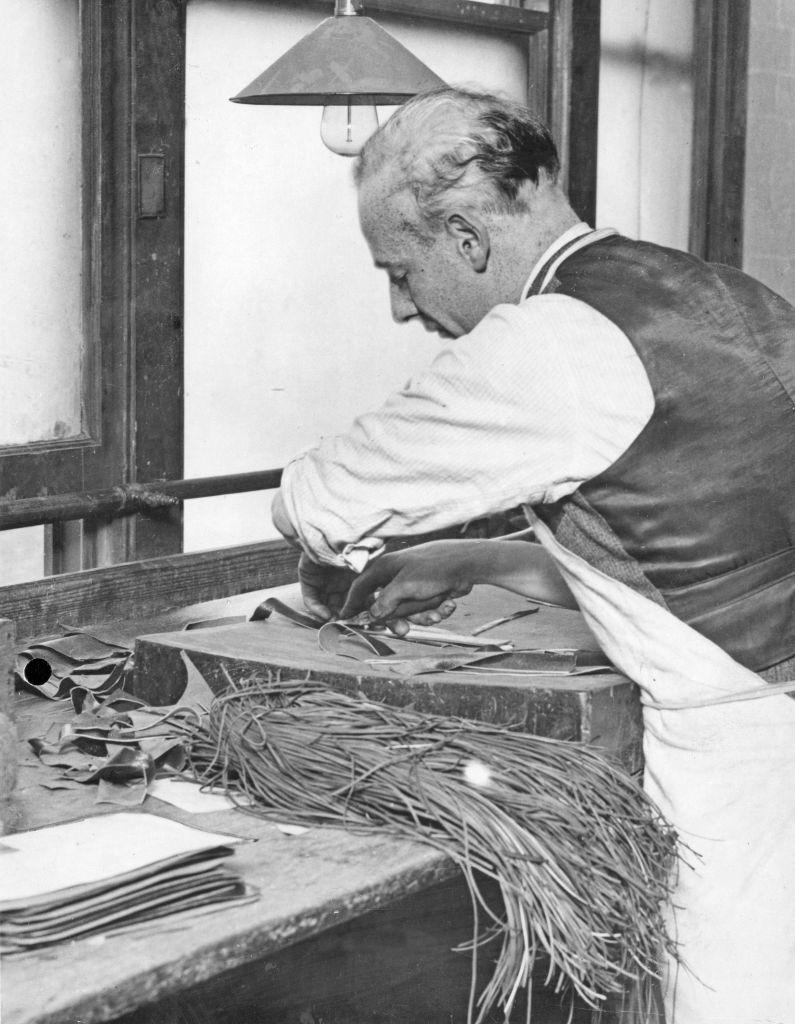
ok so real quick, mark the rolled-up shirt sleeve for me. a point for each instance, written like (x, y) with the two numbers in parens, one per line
(539, 397)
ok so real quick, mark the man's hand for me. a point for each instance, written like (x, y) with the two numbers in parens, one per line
(408, 584)
(323, 587)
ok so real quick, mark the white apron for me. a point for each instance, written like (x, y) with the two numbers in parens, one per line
(724, 777)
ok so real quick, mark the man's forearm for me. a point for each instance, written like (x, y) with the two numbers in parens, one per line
(521, 567)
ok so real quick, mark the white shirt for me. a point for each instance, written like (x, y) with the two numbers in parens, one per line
(538, 398)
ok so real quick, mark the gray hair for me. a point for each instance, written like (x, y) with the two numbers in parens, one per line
(456, 145)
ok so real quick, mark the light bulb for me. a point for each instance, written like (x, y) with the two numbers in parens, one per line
(346, 127)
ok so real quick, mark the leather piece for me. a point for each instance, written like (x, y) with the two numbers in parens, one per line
(53, 668)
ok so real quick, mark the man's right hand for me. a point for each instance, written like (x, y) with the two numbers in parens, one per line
(323, 587)
(411, 584)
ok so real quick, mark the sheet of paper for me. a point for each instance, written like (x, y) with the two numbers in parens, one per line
(189, 796)
(292, 830)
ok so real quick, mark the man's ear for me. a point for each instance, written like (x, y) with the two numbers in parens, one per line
(471, 237)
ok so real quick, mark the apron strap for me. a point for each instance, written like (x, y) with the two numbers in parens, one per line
(771, 690)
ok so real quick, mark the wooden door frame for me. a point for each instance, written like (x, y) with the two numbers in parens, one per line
(719, 130)
(563, 89)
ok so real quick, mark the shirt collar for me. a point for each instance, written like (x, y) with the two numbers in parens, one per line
(568, 236)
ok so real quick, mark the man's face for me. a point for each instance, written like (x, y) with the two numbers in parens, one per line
(429, 280)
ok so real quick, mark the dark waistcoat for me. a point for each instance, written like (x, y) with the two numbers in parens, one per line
(699, 513)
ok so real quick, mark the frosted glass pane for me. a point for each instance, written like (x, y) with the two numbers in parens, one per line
(288, 328)
(40, 256)
(646, 119)
(21, 555)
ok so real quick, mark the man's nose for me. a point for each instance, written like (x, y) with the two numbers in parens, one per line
(403, 308)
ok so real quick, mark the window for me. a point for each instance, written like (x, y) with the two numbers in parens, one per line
(94, 290)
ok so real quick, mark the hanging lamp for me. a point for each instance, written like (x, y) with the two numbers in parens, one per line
(348, 65)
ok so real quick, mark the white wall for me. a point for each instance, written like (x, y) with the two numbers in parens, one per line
(40, 258)
(645, 119)
(769, 213)
(288, 331)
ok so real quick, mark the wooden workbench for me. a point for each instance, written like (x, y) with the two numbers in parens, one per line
(337, 912)
(307, 883)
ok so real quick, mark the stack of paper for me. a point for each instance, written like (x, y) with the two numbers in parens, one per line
(107, 873)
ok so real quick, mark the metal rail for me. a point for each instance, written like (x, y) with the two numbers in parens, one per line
(127, 499)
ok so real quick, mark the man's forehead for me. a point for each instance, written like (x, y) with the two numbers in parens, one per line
(380, 185)
(389, 218)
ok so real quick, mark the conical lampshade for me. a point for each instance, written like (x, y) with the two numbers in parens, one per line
(347, 59)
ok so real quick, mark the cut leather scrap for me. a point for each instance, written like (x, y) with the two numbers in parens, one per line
(120, 744)
(561, 662)
(503, 619)
(85, 738)
(224, 620)
(122, 794)
(332, 637)
(54, 667)
(85, 700)
(197, 694)
(124, 765)
(80, 646)
(110, 636)
(439, 636)
(566, 660)
(61, 667)
(58, 757)
(168, 753)
(96, 722)
(273, 604)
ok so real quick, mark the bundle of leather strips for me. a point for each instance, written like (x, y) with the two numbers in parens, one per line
(582, 858)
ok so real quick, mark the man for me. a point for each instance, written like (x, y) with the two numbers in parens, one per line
(639, 403)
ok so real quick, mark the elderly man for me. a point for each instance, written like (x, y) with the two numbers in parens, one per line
(639, 404)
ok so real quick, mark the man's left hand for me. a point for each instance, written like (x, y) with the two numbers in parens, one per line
(323, 587)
